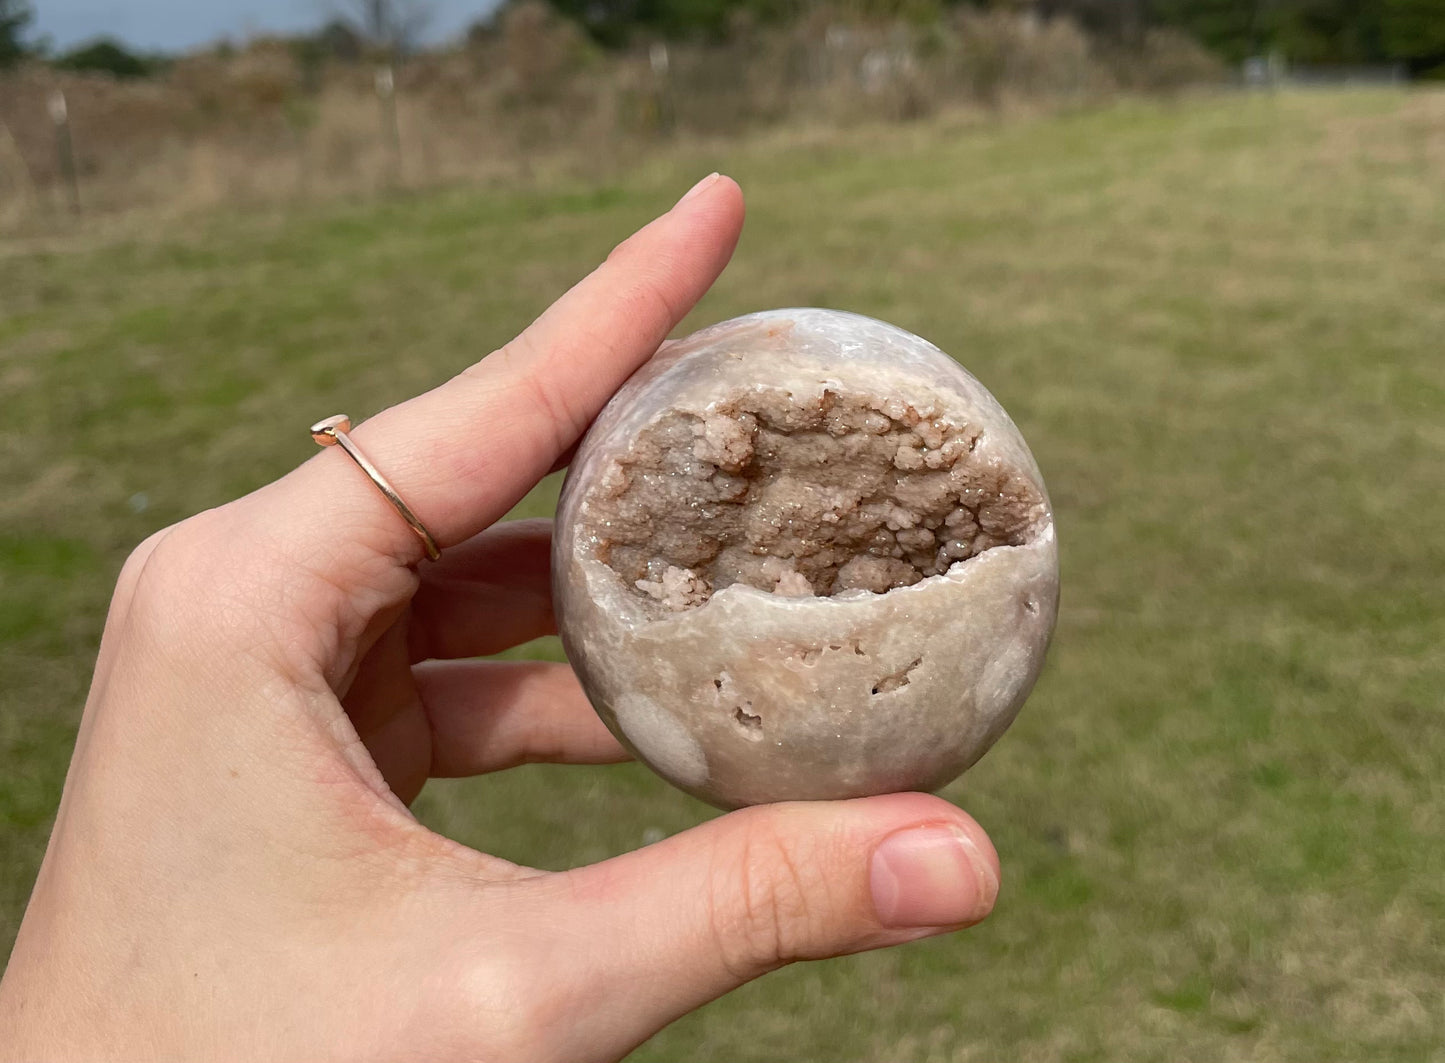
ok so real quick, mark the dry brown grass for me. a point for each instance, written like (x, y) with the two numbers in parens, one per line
(264, 125)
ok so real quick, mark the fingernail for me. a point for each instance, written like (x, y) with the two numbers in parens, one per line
(701, 186)
(931, 876)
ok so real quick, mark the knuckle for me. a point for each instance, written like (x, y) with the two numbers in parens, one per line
(132, 571)
(648, 299)
(173, 561)
(617, 257)
(648, 294)
(502, 998)
(515, 992)
(555, 407)
(181, 583)
(516, 377)
(772, 918)
(483, 372)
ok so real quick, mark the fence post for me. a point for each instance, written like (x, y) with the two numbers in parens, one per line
(65, 146)
(391, 125)
(660, 61)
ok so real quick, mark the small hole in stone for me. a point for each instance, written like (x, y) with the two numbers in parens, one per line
(1031, 605)
(717, 684)
(749, 723)
(889, 683)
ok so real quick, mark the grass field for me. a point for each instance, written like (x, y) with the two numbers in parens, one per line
(1221, 325)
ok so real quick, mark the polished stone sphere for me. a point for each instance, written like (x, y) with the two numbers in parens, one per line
(804, 554)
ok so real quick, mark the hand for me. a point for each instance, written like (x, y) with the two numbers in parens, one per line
(233, 871)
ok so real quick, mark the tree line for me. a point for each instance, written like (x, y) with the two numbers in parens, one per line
(1301, 31)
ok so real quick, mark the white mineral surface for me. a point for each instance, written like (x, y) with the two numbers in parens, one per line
(804, 554)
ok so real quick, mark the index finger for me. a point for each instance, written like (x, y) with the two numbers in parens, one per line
(464, 453)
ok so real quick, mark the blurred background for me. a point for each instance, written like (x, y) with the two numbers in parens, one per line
(1196, 247)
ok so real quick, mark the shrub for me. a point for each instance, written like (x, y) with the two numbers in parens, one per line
(105, 56)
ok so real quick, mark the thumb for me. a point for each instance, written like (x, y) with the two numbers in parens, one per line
(665, 929)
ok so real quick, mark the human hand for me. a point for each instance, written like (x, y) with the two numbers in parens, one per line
(233, 871)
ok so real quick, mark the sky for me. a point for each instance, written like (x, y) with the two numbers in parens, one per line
(174, 25)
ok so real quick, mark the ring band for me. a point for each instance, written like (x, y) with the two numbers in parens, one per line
(332, 431)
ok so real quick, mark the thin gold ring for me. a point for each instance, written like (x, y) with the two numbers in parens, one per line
(334, 430)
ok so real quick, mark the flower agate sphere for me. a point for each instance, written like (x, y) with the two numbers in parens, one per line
(804, 554)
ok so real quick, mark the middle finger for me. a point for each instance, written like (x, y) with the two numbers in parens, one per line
(486, 595)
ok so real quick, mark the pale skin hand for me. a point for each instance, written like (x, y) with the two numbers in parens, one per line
(233, 872)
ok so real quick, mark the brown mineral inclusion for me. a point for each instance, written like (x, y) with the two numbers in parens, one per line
(804, 554)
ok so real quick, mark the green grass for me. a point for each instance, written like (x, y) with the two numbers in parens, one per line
(1221, 326)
